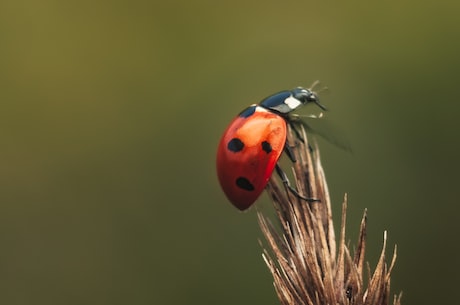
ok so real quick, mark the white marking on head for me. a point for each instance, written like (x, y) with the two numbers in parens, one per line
(292, 102)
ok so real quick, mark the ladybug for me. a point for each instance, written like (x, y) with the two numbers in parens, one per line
(252, 144)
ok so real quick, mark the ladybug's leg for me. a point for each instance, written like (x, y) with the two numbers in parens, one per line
(289, 152)
(299, 136)
(297, 133)
(285, 181)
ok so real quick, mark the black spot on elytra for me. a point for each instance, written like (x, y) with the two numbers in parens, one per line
(244, 184)
(235, 145)
(248, 112)
(266, 147)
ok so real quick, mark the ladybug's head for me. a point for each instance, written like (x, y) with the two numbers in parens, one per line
(287, 101)
(306, 96)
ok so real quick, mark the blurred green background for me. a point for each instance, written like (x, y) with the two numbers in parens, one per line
(111, 111)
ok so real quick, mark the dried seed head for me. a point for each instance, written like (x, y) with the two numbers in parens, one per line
(306, 265)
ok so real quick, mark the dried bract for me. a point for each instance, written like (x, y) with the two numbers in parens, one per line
(302, 254)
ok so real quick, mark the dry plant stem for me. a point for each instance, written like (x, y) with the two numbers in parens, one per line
(303, 257)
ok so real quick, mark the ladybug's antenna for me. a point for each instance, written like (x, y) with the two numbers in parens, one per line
(312, 88)
(325, 88)
(315, 83)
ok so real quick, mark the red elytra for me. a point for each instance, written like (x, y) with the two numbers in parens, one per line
(252, 144)
(248, 153)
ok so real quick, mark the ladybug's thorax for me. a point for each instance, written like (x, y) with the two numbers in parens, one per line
(287, 101)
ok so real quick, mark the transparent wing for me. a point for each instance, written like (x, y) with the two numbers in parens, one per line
(322, 127)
